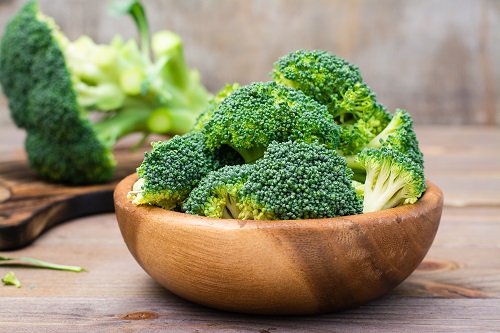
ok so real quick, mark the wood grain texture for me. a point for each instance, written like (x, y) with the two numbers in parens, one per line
(279, 267)
(116, 288)
(436, 58)
(30, 206)
(456, 289)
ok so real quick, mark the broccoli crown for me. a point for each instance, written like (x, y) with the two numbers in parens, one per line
(214, 104)
(319, 74)
(400, 135)
(216, 194)
(354, 137)
(253, 116)
(39, 87)
(296, 180)
(53, 84)
(172, 169)
(392, 179)
(79, 162)
(357, 102)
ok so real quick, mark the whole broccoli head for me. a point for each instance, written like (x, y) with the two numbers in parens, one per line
(392, 179)
(294, 180)
(252, 117)
(53, 85)
(173, 168)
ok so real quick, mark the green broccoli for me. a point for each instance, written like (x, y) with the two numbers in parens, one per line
(399, 134)
(293, 180)
(215, 195)
(250, 118)
(336, 83)
(319, 74)
(392, 179)
(214, 104)
(173, 168)
(53, 85)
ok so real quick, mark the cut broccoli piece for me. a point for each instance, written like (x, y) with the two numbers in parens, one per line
(253, 116)
(214, 104)
(399, 134)
(215, 196)
(11, 279)
(172, 169)
(294, 180)
(336, 83)
(319, 74)
(53, 85)
(392, 179)
(297, 180)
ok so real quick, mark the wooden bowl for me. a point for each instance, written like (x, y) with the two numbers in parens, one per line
(279, 267)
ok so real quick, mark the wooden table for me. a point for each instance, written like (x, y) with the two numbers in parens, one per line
(456, 289)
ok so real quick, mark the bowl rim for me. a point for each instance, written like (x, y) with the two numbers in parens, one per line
(431, 199)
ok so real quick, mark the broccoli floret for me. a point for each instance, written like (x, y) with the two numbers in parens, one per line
(172, 169)
(319, 74)
(53, 85)
(392, 179)
(250, 118)
(293, 180)
(360, 117)
(400, 135)
(296, 180)
(216, 194)
(336, 83)
(214, 104)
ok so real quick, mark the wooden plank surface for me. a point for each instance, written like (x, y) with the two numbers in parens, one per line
(456, 289)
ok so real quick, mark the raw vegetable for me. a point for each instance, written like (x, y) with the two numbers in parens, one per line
(11, 279)
(54, 86)
(314, 143)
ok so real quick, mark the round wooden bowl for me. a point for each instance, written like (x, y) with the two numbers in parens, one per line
(279, 267)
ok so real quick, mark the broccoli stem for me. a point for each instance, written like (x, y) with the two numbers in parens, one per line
(251, 155)
(382, 195)
(127, 121)
(135, 9)
(231, 210)
(172, 121)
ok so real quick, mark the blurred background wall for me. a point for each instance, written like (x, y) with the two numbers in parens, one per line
(439, 59)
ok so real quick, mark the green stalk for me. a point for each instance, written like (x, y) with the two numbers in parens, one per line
(44, 264)
(135, 9)
(124, 122)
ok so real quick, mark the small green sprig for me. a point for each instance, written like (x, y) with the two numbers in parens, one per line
(11, 279)
(42, 264)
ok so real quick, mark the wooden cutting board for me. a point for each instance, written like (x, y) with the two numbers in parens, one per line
(30, 206)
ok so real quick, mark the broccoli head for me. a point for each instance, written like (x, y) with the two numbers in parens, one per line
(392, 179)
(319, 74)
(54, 85)
(214, 104)
(250, 118)
(173, 168)
(400, 135)
(296, 180)
(336, 83)
(216, 194)
(293, 180)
